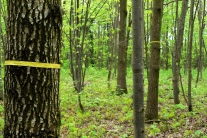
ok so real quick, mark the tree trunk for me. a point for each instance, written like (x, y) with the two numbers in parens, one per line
(190, 41)
(78, 57)
(128, 37)
(166, 53)
(1, 49)
(122, 50)
(116, 36)
(31, 99)
(152, 99)
(138, 67)
(147, 36)
(177, 52)
(201, 18)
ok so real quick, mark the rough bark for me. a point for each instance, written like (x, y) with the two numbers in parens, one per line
(138, 67)
(152, 98)
(177, 52)
(122, 50)
(31, 97)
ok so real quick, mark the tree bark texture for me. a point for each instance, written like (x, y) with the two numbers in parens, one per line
(138, 67)
(32, 94)
(122, 50)
(156, 22)
(177, 51)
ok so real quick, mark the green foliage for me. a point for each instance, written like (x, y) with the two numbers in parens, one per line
(188, 133)
(1, 123)
(199, 133)
(154, 129)
(108, 115)
(1, 119)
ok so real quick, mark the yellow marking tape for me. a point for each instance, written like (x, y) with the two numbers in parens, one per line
(31, 64)
(154, 42)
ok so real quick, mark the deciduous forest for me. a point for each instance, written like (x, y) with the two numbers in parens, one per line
(103, 69)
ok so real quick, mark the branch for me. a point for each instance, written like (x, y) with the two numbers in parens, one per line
(183, 89)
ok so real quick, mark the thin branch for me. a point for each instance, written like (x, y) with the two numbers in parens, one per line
(183, 89)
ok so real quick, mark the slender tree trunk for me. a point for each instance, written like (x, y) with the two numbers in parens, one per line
(147, 36)
(128, 36)
(138, 67)
(112, 45)
(116, 25)
(191, 29)
(31, 99)
(201, 15)
(79, 59)
(110, 55)
(100, 55)
(166, 53)
(177, 51)
(1, 49)
(152, 98)
(122, 50)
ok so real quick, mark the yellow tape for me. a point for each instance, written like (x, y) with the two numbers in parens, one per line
(154, 42)
(31, 64)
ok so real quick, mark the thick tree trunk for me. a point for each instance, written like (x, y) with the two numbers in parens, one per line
(31, 93)
(138, 67)
(122, 50)
(152, 99)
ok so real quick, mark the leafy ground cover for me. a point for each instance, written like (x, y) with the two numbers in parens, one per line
(109, 116)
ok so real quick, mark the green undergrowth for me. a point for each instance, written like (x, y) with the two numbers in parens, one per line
(110, 116)
(106, 115)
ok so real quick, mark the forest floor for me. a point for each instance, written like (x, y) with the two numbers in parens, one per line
(110, 116)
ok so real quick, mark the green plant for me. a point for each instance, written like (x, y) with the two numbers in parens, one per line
(188, 133)
(175, 125)
(198, 133)
(154, 129)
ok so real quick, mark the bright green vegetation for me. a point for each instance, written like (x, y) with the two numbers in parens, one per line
(109, 116)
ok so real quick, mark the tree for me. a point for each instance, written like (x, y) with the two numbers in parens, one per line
(177, 51)
(189, 57)
(201, 18)
(147, 5)
(80, 37)
(2, 43)
(31, 99)
(122, 50)
(153, 79)
(138, 67)
(77, 36)
(165, 52)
